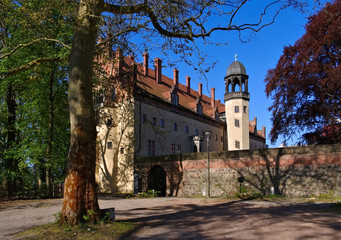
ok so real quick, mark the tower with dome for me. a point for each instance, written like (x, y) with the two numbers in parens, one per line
(237, 99)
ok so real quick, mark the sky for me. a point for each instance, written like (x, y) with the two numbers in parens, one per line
(259, 54)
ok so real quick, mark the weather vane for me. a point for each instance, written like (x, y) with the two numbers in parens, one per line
(235, 56)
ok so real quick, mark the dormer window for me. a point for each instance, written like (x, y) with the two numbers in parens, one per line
(217, 116)
(175, 99)
(199, 109)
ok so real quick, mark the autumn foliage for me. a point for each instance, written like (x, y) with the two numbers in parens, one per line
(306, 84)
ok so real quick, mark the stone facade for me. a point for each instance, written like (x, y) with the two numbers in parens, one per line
(296, 171)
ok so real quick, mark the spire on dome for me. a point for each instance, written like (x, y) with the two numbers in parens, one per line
(235, 57)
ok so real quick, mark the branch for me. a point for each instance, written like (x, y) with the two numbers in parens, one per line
(189, 35)
(117, 9)
(26, 67)
(144, 8)
(31, 43)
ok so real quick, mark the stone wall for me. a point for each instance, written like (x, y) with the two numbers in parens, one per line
(294, 171)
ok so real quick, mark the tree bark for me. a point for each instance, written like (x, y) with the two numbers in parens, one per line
(48, 171)
(10, 161)
(80, 196)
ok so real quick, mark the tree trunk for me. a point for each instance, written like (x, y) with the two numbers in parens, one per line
(50, 136)
(80, 196)
(10, 162)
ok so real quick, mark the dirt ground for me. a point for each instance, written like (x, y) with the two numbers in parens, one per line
(194, 218)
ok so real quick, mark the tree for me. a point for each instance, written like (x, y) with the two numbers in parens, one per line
(306, 83)
(182, 20)
(28, 35)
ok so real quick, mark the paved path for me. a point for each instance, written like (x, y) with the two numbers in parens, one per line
(186, 218)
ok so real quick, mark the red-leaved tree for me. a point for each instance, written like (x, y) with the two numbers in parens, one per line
(306, 84)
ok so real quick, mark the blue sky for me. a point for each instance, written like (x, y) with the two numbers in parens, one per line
(258, 55)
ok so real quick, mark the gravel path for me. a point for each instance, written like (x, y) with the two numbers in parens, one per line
(194, 218)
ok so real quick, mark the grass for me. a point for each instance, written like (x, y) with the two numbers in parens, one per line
(55, 231)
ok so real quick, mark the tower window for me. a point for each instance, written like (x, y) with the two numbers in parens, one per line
(122, 150)
(237, 144)
(162, 123)
(236, 122)
(196, 132)
(236, 109)
(144, 118)
(109, 145)
(244, 109)
(154, 121)
(186, 129)
(175, 127)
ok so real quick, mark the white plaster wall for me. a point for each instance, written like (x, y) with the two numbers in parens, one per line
(166, 136)
(116, 168)
(240, 133)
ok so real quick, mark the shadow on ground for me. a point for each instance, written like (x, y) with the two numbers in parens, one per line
(236, 220)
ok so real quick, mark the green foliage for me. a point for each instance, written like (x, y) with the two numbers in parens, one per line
(148, 194)
(246, 193)
(328, 196)
(89, 215)
(41, 142)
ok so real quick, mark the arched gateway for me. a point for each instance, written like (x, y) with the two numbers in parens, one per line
(157, 180)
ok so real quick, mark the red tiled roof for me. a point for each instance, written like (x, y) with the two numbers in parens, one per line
(187, 100)
(163, 90)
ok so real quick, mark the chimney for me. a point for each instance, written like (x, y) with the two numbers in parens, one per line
(218, 100)
(188, 84)
(264, 132)
(119, 59)
(200, 90)
(175, 77)
(213, 98)
(134, 70)
(110, 44)
(145, 63)
(157, 64)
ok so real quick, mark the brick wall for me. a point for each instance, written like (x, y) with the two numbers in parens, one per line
(294, 171)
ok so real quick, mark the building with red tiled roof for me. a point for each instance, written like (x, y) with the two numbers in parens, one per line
(141, 112)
